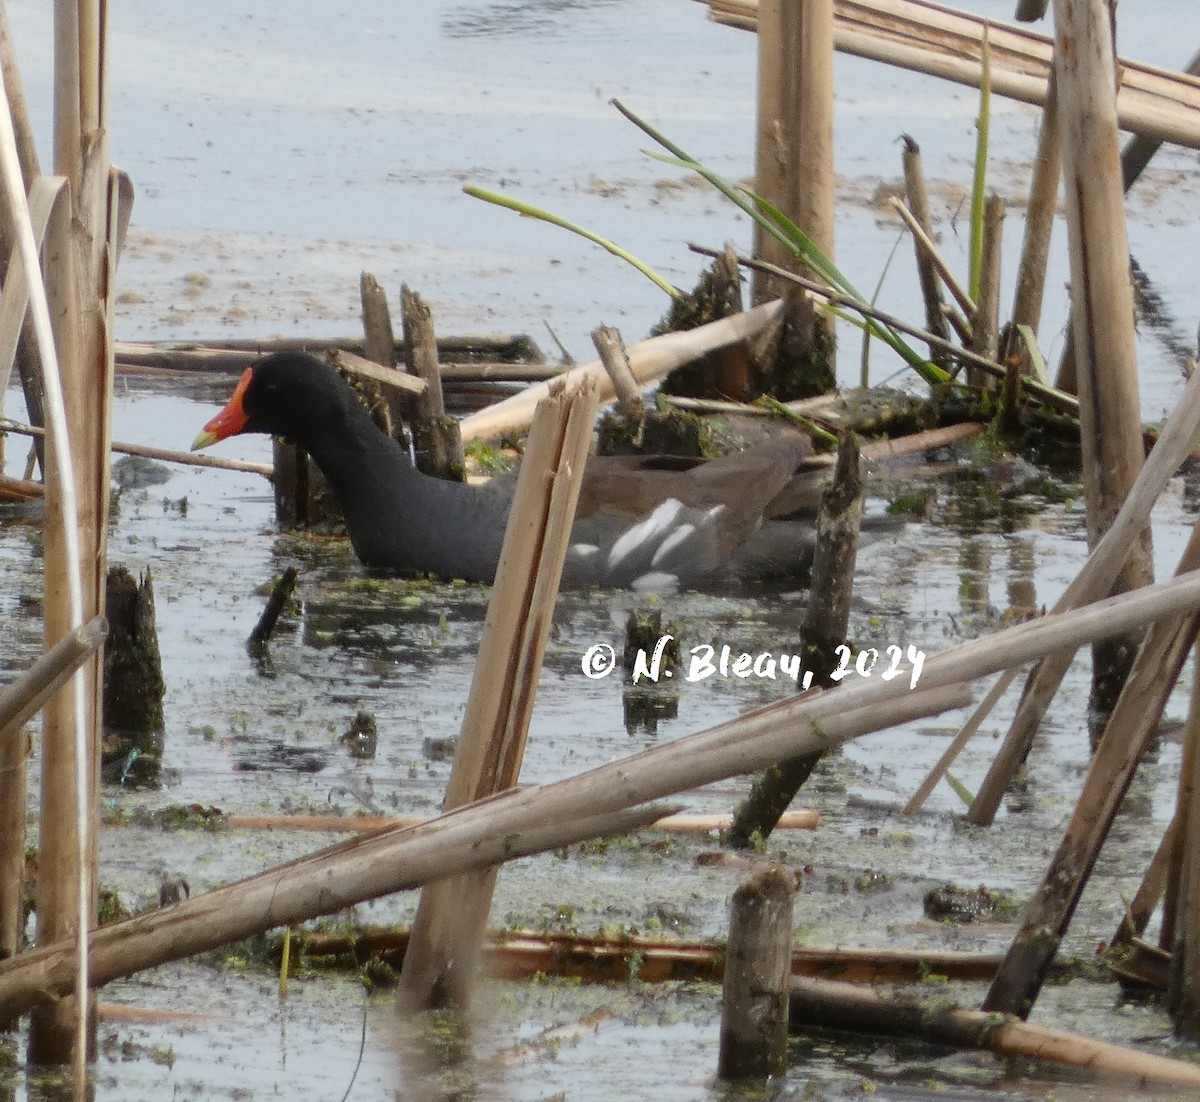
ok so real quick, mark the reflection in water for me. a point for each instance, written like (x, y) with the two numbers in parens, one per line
(513, 17)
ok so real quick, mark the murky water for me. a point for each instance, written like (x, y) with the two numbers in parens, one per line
(279, 151)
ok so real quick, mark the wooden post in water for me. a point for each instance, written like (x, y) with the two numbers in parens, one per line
(758, 976)
(1102, 304)
(794, 167)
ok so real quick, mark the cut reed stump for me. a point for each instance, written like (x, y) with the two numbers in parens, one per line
(917, 194)
(754, 1004)
(133, 677)
(437, 442)
(985, 323)
(379, 343)
(826, 622)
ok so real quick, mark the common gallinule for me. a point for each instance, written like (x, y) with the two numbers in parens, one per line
(649, 522)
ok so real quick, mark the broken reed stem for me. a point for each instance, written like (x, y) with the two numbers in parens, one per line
(1181, 909)
(23, 698)
(1103, 318)
(1130, 728)
(1177, 855)
(186, 459)
(611, 350)
(835, 1005)
(14, 89)
(19, 702)
(452, 914)
(683, 822)
(917, 194)
(508, 825)
(522, 954)
(281, 593)
(379, 344)
(437, 443)
(649, 360)
(394, 378)
(1094, 579)
(66, 872)
(1137, 914)
(924, 242)
(1039, 225)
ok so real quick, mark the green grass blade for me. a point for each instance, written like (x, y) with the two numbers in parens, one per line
(960, 789)
(530, 211)
(1035, 354)
(784, 230)
(979, 182)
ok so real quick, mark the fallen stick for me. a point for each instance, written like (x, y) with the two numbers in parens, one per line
(649, 360)
(1094, 578)
(522, 954)
(545, 817)
(938, 41)
(24, 697)
(19, 489)
(833, 1005)
(187, 459)
(682, 823)
(476, 836)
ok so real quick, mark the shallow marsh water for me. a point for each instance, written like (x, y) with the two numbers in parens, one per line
(280, 150)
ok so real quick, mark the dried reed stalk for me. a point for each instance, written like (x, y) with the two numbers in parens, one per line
(837, 1005)
(185, 459)
(1039, 224)
(483, 834)
(1181, 910)
(917, 194)
(649, 360)
(682, 823)
(507, 825)
(19, 702)
(1094, 579)
(940, 41)
(1132, 725)
(452, 914)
